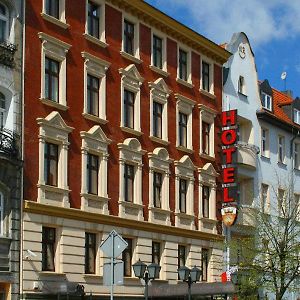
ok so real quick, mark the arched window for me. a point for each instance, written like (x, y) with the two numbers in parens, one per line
(2, 110)
(4, 18)
(1, 214)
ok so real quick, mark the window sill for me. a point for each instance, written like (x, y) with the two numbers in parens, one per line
(135, 279)
(131, 204)
(92, 276)
(50, 273)
(52, 188)
(94, 118)
(55, 21)
(159, 140)
(94, 40)
(206, 156)
(131, 57)
(208, 94)
(281, 164)
(184, 149)
(54, 104)
(159, 71)
(131, 131)
(242, 94)
(265, 157)
(185, 83)
(184, 215)
(208, 220)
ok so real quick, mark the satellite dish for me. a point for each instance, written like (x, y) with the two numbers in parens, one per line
(283, 75)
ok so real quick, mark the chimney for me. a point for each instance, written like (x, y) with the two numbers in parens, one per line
(288, 93)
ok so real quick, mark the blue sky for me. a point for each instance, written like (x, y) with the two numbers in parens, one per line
(272, 26)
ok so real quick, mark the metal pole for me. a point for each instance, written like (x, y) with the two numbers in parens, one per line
(112, 269)
(189, 288)
(146, 278)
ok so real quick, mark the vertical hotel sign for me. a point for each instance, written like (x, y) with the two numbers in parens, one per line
(229, 138)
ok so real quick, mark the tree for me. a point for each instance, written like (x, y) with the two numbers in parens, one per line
(269, 257)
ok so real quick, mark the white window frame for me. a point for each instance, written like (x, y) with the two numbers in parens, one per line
(131, 80)
(266, 141)
(159, 92)
(265, 100)
(163, 71)
(208, 115)
(210, 62)
(61, 21)
(1, 214)
(136, 43)
(265, 206)
(187, 82)
(159, 161)
(6, 19)
(57, 50)
(96, 143)
(184, 169)
(131, 153)
(297, 116)
(53, 129)
(102, 39)
(184, 105)
(96, 67)
(208, 177)
(281, 147)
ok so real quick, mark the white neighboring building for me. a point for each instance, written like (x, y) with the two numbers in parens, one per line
(268, 134)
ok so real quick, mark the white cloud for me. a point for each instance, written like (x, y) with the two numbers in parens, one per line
(261, 20)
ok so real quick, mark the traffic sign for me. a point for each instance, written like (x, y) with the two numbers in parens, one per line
(117, 273)
(113, 245)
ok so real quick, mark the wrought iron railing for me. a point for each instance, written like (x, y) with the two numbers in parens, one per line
(8, 143)
(7, 51)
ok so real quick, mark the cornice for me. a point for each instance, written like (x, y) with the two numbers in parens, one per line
(173, 28)
(77, 214)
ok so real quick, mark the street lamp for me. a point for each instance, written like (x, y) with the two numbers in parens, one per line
(190, 276)
(150, 272)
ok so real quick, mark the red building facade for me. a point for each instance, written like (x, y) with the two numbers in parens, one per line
(122, 122)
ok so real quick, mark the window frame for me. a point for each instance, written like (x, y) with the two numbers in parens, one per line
(296, 116)
(6, 19)
(265, 198)
(1, 214)
(157, 189)
(188, 79)
(296, 155)
(265, 142)
(128, 250)
(210, 64)
(205, 201)
(129, 104)
(93, 170)
(60, 19)
(49, 160)
(129, 179)
(156, 254)
(183, 189)
(50, 78)
(205, 254)
(53, 250)
(265, 99)
(242, 85)
(181, 256)
(93, 248)
(281, 149)
(93, 95)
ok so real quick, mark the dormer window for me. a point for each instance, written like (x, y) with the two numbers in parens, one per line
(242, 85)
(267, 101)
(297, 116)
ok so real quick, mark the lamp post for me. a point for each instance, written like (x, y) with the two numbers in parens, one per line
(150, 272)
(190, 276)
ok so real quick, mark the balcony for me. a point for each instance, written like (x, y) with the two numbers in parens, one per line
(8, 143)
(246, 154)
(246, 216)
(7, 51)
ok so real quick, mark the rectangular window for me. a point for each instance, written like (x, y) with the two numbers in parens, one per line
(182, 195)
(51, 164)
(204, 263)
(205, 76)
(296, 156)
(183, 119)
(52, 8)
(297, 116)
(157, 52)
(205, 138)
(155, 253)
(93, 19)
(264, 198)
(157, 119)
(128, 182)
(92, 173)
(266, 101)
(183, 56)
(93, 84)
(52, 79)
(181, 256)
(205, 201)
(241, 85)
(128, 37)
(48, 249)
(265, 142)
(90, 253)
(129, 109)
(127, 258)
(281, 202)
(281, 149)
(157, 187)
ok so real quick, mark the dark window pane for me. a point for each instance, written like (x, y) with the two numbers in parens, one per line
(182, 195)
(128, 37)
(157, 119)
(129, 109)
(182, 65)
(51, 164)
(205, 138)
(205, 201)
(51, 79)
(157, 187)
(128, 182)
(92, 173)
(181, 256)
(90, 253)
(93, 95)
(48, 249)
(156, 252)
(127, 258)
(205, 76)
(93, 19)
(204, 264)
(157, 51)
(52, 8)
(183, 129)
